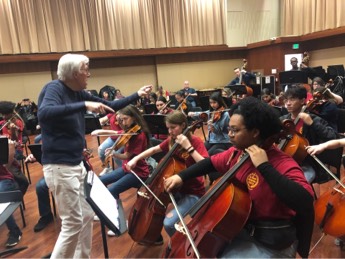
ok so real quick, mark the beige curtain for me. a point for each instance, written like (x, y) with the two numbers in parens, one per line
(301, 17)
(44, 26)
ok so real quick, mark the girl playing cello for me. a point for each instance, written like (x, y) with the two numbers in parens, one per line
(191, 150)
(270, 177)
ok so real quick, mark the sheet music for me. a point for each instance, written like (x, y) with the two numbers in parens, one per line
(104, 199)
(3, 206)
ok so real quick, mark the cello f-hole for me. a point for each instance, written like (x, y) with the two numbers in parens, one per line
(190, 248)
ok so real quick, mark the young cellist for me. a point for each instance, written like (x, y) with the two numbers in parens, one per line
(270, 177)
(191, 150)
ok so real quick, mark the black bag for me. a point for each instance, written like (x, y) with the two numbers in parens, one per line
(275, 235)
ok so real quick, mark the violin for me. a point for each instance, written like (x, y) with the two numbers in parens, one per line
(145, 221)
(161, 111)
(183, 105)
(121, 142)
(215, 115)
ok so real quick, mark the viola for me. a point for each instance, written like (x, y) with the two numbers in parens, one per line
(121, 142)
(145, 221)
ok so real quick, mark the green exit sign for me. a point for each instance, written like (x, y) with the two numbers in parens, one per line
(295, 46)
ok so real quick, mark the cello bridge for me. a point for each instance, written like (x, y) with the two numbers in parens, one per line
(143, 194)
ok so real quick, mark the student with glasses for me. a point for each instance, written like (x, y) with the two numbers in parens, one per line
(269, 177)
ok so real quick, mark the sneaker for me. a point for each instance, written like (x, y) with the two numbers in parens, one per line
(106, 170)
(158, 242)
(43, 222)
(111, 233)
(95, 218)
(13, 238)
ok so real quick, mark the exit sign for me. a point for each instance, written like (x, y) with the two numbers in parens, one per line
(295, 46)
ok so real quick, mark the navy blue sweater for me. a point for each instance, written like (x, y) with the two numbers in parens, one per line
(61, 117)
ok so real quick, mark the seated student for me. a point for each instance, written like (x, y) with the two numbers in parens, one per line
(7, 183)
(312, 127)
(182, 103)
(190, 151)
(217, 123)
(324, 105)
(318, 82)
(14, 126)
(43, 200)
(270, 177)
(115, 127)
(121, 179)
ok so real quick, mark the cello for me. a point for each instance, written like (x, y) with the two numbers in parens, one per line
(145, 221)
(330, 208)
(233, 206)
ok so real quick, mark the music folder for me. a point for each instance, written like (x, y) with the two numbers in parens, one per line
(102, 202)
(36, 150)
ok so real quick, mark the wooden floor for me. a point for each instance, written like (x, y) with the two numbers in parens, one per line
(42, 243)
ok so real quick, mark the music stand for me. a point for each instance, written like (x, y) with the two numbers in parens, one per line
(150, 108)
(92, 123)
(237, 89)
(36, 150)
(156, 124)
(104, 205)
(3, 150)
(293, 77)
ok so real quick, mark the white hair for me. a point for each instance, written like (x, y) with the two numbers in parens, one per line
(70, 63)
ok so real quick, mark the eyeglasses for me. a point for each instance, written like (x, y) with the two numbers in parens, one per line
(234, 131)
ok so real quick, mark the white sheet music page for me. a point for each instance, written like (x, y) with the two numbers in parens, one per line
(3, 206)
(104, 200)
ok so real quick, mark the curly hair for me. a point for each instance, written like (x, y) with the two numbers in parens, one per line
(258, 115)
(7, 107)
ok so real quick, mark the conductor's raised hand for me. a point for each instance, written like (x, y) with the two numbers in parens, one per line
(145, 90)
(98, 107)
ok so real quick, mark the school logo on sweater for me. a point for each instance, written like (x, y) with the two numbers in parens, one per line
(252, 180)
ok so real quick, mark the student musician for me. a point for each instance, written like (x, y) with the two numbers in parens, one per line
(312, 127)
(217, 122)
(191, 150)
(162, 106)
(12, 126)
(115, 127)
(121, 179)
(269, 176)
(182, 103)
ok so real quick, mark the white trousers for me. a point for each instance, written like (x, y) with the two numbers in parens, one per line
(67, 184)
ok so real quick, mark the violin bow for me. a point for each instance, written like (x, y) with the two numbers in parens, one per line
(185, 229)
(144, 195)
